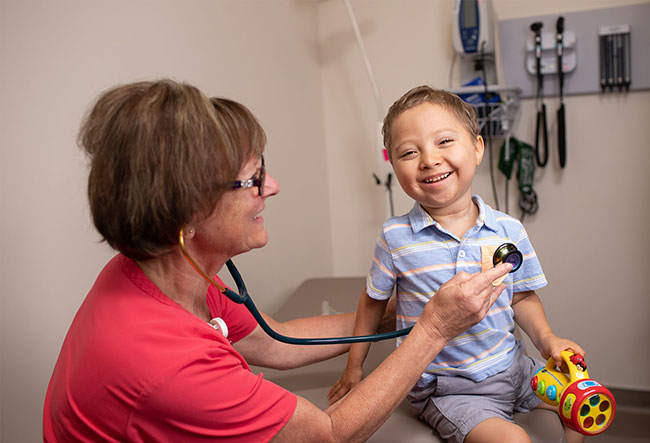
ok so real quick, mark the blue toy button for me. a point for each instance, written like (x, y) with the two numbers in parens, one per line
(587, 384)
(551, 392)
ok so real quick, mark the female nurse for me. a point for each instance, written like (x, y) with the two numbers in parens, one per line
(155, 352)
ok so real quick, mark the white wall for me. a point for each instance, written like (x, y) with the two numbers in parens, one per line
(591, 230)
(55, 58)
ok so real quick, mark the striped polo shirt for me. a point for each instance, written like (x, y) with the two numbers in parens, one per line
(419, 255)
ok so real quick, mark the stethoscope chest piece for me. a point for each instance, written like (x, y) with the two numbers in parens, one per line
(508, 253)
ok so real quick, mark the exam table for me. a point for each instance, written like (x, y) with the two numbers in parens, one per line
(314, 381)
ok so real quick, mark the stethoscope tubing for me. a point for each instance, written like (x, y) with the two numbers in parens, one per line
(504, 253)
(247, 301)
(244, 298)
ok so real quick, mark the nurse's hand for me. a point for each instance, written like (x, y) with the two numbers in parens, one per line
(462, 301)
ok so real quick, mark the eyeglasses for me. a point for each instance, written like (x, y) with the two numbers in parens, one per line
(251, 182)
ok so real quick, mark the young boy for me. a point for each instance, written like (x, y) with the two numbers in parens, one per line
(471, 390)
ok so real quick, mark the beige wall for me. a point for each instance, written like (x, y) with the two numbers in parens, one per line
(56, 57)
(591, 230)
(296, 64)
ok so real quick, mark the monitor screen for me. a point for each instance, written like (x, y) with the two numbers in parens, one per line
(469, 12)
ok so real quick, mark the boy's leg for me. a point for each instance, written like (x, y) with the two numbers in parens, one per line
(456, 406)
(462, 418)
(573, 436)
(527, 400)
(570, 435)
(497, 430)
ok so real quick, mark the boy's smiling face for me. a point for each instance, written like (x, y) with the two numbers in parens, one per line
(435, 158)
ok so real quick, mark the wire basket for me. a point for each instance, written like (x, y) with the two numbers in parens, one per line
(497, 117)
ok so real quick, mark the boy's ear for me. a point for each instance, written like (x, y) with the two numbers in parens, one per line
(480, 149)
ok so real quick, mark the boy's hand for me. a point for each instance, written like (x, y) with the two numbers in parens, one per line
(349, 379)
(551, 346)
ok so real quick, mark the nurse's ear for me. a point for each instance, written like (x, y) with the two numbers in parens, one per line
(188, 231)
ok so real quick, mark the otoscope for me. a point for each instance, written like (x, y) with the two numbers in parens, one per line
(506, 253)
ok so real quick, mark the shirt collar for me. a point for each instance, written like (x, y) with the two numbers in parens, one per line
(420, 218)
(486, 214)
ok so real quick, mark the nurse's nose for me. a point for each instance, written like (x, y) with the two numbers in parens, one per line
(271, 187)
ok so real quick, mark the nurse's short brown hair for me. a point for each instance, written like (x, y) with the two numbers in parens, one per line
(161, 154)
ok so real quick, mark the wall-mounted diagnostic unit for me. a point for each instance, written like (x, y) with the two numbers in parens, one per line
(615, 63)
(603, 50)
(548, 53)
(471, 27)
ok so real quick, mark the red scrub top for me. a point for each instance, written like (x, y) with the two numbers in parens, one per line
(136, 366)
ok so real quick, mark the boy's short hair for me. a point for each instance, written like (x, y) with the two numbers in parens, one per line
(425, 94)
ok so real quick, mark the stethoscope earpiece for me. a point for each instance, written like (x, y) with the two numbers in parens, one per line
(508, 253)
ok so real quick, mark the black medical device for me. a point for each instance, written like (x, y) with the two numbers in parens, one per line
(615, 63)
(541, 127)
(561, 119)
(244, 298)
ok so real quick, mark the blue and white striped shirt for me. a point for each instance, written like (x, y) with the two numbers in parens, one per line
(419, 255)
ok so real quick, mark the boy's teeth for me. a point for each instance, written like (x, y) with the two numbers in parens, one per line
(437, 179)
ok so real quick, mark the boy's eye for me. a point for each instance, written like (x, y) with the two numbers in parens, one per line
(446, 140)
(407, 153)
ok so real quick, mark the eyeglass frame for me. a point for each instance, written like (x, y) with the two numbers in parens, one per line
(252, 182)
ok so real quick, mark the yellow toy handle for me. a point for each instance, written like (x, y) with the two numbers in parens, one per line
(575, 363)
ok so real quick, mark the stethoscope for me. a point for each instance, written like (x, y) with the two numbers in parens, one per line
(506, 253)
(540, 128)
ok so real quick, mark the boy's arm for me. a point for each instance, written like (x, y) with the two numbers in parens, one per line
(530, 316)
(368, 319)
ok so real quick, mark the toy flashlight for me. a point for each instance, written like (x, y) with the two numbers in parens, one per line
(583, 404)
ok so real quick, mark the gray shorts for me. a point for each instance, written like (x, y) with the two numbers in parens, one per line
(455, 405)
